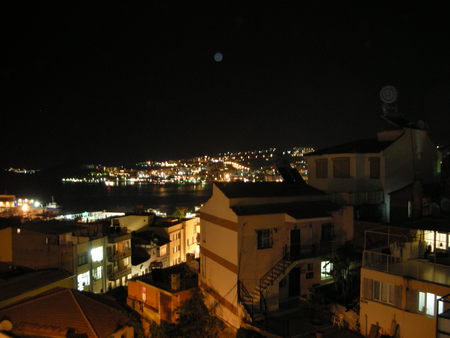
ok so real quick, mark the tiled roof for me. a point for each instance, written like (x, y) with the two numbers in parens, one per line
(354, 147)
(267, 189)
(297, 210)
(62, 309)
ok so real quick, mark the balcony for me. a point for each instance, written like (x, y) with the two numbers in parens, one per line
(115, 256)
(419, 269)
(119, 273)
(116, 237)
(323, 248)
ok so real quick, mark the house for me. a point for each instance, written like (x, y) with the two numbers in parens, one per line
(404, 282)
(264, 243)
(363, 173)
(157, 296)
(62, 312)
(150, 250)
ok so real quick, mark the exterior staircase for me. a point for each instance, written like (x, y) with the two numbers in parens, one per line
(254, 301)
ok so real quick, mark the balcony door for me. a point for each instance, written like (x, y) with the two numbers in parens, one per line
(294, 282)
(295, 243)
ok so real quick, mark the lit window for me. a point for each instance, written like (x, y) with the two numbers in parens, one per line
(18, 230)
(83, 280)
(429, 239)
(163, 250)
(441, 241)
(325, 270)
(97, 254)
(97, 273)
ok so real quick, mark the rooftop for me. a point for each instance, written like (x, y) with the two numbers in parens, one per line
(161, 277)
(297, 210)
(29, 281)
(52, 227)
(148, 236)
(267, 189)
(57, 311)
(355, 147)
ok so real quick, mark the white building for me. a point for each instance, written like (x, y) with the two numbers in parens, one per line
(365, 172)
(263, 243)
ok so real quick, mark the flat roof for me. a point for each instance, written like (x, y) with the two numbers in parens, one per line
(51, 227)
(267, 189)
(363, 146)
(161, 277)
(297, 210)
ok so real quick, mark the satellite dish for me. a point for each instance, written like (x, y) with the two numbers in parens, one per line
(388, 94)
(6, 325)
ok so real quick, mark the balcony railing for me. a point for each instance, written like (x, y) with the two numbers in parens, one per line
(115, 256)
(357, 198)
(119, 273)
(322, 248)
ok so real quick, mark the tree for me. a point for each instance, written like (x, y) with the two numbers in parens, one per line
(195, 320)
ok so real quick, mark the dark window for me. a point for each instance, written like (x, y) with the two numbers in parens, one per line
(374, 166)
(265, 240)
(322, 168)
(310, 275)
(327, 231)
(310, 266)
(341, 167)
(82, 259)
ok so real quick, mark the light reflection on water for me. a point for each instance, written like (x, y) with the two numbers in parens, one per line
(78, 197)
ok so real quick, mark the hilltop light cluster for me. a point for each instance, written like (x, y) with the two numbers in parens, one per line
(246, 166)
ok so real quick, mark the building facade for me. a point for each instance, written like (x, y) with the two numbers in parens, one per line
(264, 243)
(365, 172)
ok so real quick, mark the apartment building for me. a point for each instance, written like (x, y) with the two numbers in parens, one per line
(404, 284)
(158, 296)
(175, 238)
(100, 258)
(264, 243)
(118, 251)
(365, 172)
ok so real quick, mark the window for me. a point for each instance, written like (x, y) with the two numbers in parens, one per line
(382, 292)
(374, 167)
(163, 250)
(341, 167)
(82, 258)
(97, 254)
(97, 273)
(83, 280)
(322, 168)
(327, 231)
(429, 238)
(325, 270)
(426, 303)
(441, 240)
(264, 239)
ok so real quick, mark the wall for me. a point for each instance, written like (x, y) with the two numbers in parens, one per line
(411, 324)
(134, 222)
(6, 245)
(359, 180)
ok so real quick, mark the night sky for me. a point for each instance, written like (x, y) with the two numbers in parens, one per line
(120, 83)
